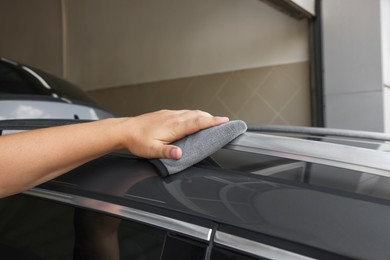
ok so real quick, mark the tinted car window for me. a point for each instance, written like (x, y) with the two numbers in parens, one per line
(141, 242)
(21, 80)
(223, 254)
(181, 248)
(98, 236)
(64, 88)
(38, 229)
(12, 82)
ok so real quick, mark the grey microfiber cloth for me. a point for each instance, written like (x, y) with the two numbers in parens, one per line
(199, 146)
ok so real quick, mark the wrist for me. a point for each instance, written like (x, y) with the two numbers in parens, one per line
(122, 132)
(111, 131)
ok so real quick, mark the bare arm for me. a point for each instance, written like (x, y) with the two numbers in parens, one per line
(30, 158)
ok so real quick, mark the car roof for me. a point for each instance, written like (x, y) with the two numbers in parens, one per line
(242, 200)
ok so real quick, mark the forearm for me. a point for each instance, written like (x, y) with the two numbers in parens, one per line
(33, 157)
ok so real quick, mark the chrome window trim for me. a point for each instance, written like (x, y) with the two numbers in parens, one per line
(255, 248)
(164, 222)
(348, 157)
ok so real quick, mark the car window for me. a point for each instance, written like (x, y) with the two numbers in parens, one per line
(12, 82)
(177, 247)
(64, 88)
(36, 229)
(98, 236)
(22, 80)
(224, 254)
(33, 228)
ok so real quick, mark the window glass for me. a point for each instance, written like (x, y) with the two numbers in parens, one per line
(181, 248)
(32, 228)
(12, 82)
(16, 81)
(35, 229)
(64, 88)
(140, 242)
(223, 254)
(99, 236)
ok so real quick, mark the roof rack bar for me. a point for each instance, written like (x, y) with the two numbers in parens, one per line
(344, 156)
(319, 131)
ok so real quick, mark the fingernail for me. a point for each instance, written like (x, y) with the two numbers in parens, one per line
(224, 119)
(175, 153)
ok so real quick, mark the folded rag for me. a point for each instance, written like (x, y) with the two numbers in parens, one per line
(199, 146)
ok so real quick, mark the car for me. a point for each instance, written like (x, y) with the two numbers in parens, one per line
(27, 92)
(263, 196)
(275, 192)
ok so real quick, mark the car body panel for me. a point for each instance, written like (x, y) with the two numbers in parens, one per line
(332, 221)
(27, 109)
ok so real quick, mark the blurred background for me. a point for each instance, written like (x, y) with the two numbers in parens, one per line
(289, 62)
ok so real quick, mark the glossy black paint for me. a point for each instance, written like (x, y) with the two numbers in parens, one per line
(339, 222)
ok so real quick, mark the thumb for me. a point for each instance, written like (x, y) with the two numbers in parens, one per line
(175, 152)
(171, 152)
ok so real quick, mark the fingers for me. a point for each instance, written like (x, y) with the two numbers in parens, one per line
(190, 122)
(166, 151)
(150, 135)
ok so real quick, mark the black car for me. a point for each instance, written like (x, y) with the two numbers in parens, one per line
(272, 193)
(262, 196)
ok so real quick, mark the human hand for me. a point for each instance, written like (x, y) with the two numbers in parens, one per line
(150, 135)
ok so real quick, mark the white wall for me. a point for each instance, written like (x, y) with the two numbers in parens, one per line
(385, 22)
(307, 5)
(353, 83)
(127, 42)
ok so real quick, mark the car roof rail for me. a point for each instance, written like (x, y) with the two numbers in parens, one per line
(319, 131)
(338, 155)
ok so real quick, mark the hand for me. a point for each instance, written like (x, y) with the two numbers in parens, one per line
(150, 135)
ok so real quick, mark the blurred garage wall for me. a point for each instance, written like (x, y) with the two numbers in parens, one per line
(242, 59)
(356, 47)
(31, 32)
(385, 40)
